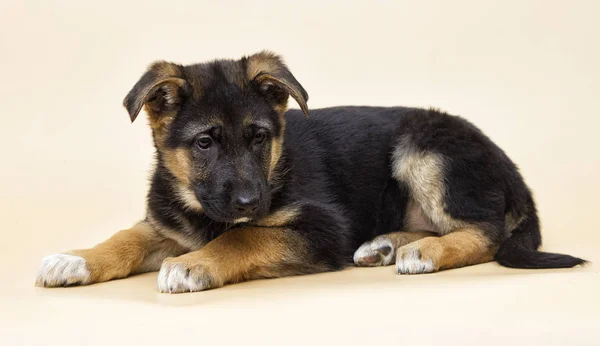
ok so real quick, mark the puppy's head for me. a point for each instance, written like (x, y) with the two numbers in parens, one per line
(218, 129)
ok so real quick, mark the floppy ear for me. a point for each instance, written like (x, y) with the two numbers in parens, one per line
(275, 80)
(161, 89)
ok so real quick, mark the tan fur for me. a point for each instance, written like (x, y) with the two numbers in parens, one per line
(160, 122)
(280, 218)
(178, 162)
(424, 174)
(276, 149)
(460, 248)
(281, 109)
(266, 67)
(188, 197)
(399, 239)
(135, 250)
(166, 78)
(246, 253)
(263, 62)
(277, 142)
(171, 87)
(165, 69)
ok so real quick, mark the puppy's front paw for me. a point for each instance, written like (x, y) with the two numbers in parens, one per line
(378, 252)
(178, 275)
(63, 270)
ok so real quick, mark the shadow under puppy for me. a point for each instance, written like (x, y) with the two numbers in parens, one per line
(244, 189)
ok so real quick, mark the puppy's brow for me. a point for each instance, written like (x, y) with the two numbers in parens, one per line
(261, 123)
(192, 130)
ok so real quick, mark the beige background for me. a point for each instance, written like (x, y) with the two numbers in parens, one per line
(74, 170)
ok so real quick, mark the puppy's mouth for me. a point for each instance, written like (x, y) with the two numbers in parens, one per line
(226, 215)
(220, 211)
(242, 220)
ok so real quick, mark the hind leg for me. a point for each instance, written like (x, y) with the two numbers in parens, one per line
(468, 218)
(456, 249)
(461, 186)
(381, 250)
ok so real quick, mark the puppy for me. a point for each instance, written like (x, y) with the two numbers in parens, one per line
(244, 189)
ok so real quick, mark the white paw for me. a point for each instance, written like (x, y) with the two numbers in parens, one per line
(177, 278)
(409, 260)
(62, 270)
(378, 252)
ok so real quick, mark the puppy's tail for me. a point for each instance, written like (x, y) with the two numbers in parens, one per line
(520, 250)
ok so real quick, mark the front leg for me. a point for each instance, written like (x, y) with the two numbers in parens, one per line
(135, 250)
(314, 239)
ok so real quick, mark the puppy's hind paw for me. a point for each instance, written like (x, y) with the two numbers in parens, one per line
(63, 270)
(378, 252)
(413, 260)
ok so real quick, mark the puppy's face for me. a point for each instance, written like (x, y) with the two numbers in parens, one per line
(218, 129)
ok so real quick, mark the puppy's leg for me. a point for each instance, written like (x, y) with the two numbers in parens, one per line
(314, 241)
(460, 248)
(135, 250)
(237, 255)
(381, 250)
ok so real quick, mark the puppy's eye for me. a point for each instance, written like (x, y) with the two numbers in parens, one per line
(204, 142)
(259, 138)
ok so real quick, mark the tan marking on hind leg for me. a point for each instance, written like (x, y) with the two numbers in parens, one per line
(423, 172)
(457, 249)
(381, 250)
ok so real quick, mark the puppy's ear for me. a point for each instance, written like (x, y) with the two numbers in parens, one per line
(161, 89)
(275, 80)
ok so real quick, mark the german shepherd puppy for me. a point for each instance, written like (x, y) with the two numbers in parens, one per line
(244, 189)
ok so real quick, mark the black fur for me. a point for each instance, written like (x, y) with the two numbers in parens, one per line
(520, 249)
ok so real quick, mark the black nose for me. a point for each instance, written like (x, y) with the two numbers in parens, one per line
(246, 204)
